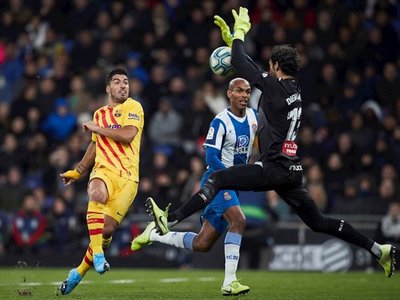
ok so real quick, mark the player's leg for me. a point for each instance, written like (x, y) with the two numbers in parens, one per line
(244, 178)
(98, 194)
(307, 210)
(201, 242)
(236, 226)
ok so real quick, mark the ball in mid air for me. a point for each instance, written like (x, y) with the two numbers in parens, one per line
(220, 61)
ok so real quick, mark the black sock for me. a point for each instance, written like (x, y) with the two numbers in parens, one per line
(197, 202)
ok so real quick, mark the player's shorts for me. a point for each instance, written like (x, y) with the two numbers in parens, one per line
(214, 211)
(121, 192)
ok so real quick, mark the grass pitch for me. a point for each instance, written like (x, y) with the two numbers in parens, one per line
(41, 283)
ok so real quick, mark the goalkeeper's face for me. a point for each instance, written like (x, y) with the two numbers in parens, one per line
(118, 89)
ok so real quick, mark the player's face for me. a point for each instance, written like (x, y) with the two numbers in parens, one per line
(239, 95)
(272, 68)
(118, 89)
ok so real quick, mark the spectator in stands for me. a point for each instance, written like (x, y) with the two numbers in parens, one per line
(165, 127)
(13, 191)
(60, 124)
(29, 227)
(389, 227)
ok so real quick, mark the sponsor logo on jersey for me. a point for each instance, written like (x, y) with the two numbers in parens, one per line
(133, 116)
(117, 113)
(227, 196)
(293, 98)
(114, 126)
(265, 74)
(210, 133)
(242, 141)
(254, 127)
(296, 168)
(289, 148)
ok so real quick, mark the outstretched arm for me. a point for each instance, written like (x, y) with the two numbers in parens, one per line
(86, 162)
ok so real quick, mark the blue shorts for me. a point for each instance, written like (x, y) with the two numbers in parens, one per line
(214, 211)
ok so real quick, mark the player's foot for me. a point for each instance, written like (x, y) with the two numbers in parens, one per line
(160, 216)
(235, 289)
(387, 259)
(100, 263)
(70, 283)
(143, 239)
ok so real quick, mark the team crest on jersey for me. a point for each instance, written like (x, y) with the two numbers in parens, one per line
(132, 116)
(117, 113)
(254, 127)
(210, 133)
(227, 196)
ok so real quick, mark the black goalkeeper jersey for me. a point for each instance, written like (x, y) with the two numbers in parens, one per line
(279, 107)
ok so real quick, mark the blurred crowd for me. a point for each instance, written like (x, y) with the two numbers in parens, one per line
(54, 56)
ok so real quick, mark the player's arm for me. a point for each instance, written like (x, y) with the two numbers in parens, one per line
(213, 158)
(125, 134)
(213, 144)
(86, 162)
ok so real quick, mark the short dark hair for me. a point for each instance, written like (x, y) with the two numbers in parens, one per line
(119, 71)
(287, 58)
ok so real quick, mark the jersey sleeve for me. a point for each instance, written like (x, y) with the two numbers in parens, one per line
(243, 64)
(133, 115)
(215, 134)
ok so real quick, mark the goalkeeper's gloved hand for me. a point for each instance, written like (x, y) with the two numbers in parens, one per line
(225, 31)
(242, 23)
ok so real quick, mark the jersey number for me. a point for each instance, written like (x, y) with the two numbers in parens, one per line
(293, 115)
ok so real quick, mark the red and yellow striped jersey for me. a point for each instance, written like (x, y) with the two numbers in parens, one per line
(121, 158)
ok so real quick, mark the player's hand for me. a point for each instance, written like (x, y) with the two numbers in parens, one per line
(70, 176)
(89, 126)
(242, 23)
(225, 31)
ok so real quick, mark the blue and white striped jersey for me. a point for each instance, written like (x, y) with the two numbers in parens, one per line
(232, 137)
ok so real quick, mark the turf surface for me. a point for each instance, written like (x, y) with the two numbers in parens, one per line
(41, 283)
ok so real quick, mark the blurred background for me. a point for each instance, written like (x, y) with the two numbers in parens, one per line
(53, 59)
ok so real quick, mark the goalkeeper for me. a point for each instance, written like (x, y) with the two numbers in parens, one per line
(279, 168)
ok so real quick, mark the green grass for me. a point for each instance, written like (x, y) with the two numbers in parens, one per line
(41, 283)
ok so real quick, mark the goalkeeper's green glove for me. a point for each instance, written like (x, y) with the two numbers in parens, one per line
(242, 23)
(71, 174)
(225, 31)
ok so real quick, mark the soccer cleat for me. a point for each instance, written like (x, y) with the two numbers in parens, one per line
(235, 289)
(160, 216)
(143, 239)
(100, 263)
(387, 260)
(70, 283)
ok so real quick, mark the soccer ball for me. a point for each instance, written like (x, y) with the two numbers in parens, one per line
(220, 61)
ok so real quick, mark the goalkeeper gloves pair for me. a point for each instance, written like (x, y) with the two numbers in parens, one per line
(241, 27)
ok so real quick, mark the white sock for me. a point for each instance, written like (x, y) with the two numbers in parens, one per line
(376, 249)
(177, 239)
(232, 254)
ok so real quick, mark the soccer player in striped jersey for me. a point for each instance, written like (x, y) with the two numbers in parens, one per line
(114, 154)
(229, 142)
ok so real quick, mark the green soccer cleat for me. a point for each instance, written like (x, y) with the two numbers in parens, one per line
(387, 260)
(159, 216)
(70, 283)
(143, 239)
(235, 289)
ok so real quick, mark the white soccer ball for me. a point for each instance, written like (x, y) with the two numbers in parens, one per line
(220, 61)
